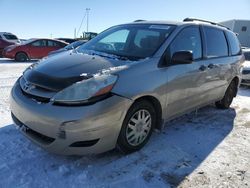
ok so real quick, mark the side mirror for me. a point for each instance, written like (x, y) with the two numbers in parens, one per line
(182, 57)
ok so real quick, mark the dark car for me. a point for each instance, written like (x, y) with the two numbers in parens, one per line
(71, 46)
(4, 44)
(68, 40)
(32, 49)
(246, 68)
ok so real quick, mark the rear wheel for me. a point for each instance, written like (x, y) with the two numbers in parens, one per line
(21, 57)
(137, 127)
(228, 97)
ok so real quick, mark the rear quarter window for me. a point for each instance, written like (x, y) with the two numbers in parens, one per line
(216, 43)
(233, 43)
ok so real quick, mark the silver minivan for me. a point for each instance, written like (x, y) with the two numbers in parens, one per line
(130, 79)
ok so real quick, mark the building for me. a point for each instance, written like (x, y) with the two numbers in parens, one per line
(242, 28)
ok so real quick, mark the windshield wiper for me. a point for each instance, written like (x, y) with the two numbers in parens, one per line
(113, 56)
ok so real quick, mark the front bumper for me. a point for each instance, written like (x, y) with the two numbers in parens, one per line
(8, 54)
(75, 130)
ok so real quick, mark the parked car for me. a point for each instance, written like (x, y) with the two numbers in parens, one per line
(9, 37)
(32, 49)
(71, 46)
(68, 40)
(4, 44)
(246, 68)
(128, 80)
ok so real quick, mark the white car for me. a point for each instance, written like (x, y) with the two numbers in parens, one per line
(246, 68)
(9, 37)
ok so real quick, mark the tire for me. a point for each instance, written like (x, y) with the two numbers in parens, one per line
(137, 127)
(21, 57)
(228, 97)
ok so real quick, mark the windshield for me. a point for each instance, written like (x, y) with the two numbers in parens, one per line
(135, 41)
(10, 37)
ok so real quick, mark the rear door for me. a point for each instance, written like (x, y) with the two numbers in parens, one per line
(52, 46)
(37, 49)
(185, 82)
(217, 61)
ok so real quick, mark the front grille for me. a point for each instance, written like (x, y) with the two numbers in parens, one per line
(246, 72)
(35, 92)
(84, 143)
(39, 137)
(16, 121)
(33, 134)
(36, 98)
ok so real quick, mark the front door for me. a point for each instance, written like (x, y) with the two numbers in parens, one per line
(186, 82)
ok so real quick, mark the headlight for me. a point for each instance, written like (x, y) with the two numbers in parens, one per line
(81, 92)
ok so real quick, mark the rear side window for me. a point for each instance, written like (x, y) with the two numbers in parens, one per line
(188, 39)
(52, 43)
(39, 43)
(234, 43)
(216, 43)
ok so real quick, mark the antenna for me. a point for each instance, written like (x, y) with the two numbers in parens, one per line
(87, 12)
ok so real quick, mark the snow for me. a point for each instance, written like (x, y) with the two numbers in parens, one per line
(210, 148)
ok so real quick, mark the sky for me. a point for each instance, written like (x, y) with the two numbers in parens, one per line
(60, 18)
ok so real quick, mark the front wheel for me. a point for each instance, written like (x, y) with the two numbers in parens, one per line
(228, 97)
(137, 127)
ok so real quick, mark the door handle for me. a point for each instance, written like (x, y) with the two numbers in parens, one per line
(202, 68)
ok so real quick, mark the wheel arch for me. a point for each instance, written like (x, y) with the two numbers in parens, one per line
(237, 81)
(22, 52)
(157, 106)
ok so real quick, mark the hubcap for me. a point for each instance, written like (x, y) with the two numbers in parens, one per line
(138, 127)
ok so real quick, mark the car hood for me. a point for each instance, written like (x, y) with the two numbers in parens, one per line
(62, 70)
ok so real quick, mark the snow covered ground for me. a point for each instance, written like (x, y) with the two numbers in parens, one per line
(210, 148)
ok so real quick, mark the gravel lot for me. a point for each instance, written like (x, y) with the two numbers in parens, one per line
(210, 148)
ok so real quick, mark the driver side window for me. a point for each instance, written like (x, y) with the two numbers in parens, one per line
(188, 39)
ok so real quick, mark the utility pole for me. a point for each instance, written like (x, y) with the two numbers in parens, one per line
(87, 12)
(75, 33)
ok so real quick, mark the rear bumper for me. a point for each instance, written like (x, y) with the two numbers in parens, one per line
(76, 130)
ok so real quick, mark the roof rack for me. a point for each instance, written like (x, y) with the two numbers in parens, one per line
(139, 20)
(206, 21)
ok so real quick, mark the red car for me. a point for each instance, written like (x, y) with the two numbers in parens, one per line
(4, 44)
(32, 49)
